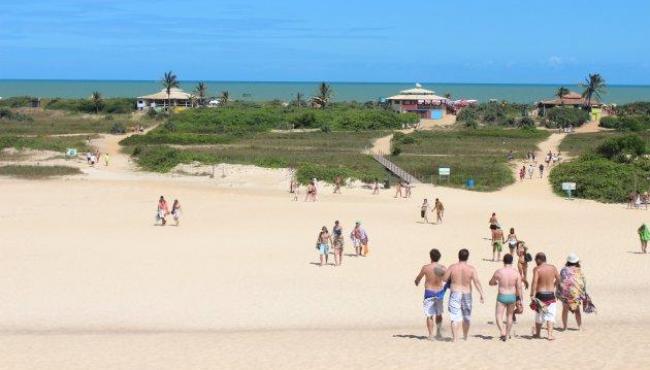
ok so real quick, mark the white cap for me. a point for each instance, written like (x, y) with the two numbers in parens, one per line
(572, 258)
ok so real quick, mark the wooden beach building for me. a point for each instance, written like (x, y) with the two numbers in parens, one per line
(160, 100)
(421, 101)
(574, 100)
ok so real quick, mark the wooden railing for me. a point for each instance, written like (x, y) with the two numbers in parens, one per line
(395, 169)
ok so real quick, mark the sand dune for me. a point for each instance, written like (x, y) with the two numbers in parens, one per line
(87, 280)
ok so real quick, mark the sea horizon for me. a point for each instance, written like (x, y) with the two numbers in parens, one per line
(360, 91)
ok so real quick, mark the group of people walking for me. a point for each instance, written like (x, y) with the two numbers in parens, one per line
(336, 241)
(548, 285)
(438, 207)
(529, 170)
(163, 211)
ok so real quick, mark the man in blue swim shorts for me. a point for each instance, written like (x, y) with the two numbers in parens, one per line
(434, 292)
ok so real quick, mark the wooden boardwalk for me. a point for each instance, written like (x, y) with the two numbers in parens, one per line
(392, 167)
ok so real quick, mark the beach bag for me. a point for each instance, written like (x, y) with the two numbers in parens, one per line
(588, 306)
(528, 257)
(519, 308)
(365, 250)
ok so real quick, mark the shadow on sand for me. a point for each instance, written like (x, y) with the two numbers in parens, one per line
(420, 337)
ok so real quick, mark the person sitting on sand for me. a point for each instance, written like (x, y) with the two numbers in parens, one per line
(644, 235)
(542, 295)
(176, 211)
(572, 290)
(434, 292)
(461, 276)
(424, 209)
(440, 211)
(512, 240)
(337, 243)
(323, 243)
(497, 243)
(163, 210)
(508, 281)
(337, 184)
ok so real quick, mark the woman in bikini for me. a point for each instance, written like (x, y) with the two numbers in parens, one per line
(512, 241)
(522, 262)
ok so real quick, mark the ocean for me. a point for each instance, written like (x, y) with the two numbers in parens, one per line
(343, 91)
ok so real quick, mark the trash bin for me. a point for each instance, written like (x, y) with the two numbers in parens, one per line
(470, 183)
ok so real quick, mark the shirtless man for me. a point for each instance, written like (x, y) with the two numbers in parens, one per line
(337, 184)
(434, 292)
(440, 210)
(461, 276)
(497, 243)
(398, 190)
(546, 279)
(508, 281)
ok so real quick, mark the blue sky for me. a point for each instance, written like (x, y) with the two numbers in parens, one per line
(502, 41)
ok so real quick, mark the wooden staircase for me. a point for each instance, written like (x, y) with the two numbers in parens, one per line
(392, 167)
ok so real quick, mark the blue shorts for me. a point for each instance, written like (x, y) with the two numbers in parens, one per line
(323, 248)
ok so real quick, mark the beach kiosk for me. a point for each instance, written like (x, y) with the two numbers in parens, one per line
(425, 103)
(160, 100)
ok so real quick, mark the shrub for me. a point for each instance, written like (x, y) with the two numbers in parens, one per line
(526, 122)
(17, 101)
(609, 122)
(37, 172)
(304, 119)
(626, 123)
(396, 150)
(118, 128)
(599, 179)
(8, 114)
(622, 149)
(565, 116)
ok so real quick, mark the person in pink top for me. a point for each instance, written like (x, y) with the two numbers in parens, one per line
(163, 210)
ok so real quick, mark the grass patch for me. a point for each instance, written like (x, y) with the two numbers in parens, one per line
(578, 144)
(57, 144)
(52, 122)
(37, 172)
(318, 154)
(479, 154)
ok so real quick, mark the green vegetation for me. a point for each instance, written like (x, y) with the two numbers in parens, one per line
(471, 154)
(629, 117)
(103, 105)
(313, 154)
(17, 101)
(37, 172)
(169, 82)
(495, 113)
(565, 116)
(611, 165)
(57, 144)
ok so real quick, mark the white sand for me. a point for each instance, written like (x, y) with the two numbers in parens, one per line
(87, 281)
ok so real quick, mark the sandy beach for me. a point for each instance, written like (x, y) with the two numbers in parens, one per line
(88, 281)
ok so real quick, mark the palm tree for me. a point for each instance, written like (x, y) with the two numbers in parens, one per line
(97, 100)
(561, 92)
(324, 95)
(201, 91)
(593, 85)
(170, 81)
(225, 97)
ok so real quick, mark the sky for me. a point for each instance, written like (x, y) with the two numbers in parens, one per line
(482, 41)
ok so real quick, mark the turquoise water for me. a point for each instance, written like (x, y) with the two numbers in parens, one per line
(258, 91)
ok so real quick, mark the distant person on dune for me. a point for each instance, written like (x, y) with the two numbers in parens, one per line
(497, 243)
(359, 240)
(461, 276)
(176, 211)
(434, 292)
(644, 236)
(531, 171)
(440, 211)
(323, 243)
(337, 184)
(541, 170)
(522, 173)
(312, 193)
(337, 243)
(398, 190)
(512, 241)
(163, 210)
(375, 187)
(424, 209)
(107, 159)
